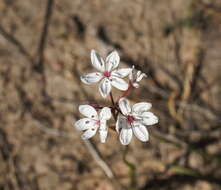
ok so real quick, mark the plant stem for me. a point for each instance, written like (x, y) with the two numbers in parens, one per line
(113, 104)
(189, 148)
(95, 105)
(112, 99)
(132, 170)
(126, 92)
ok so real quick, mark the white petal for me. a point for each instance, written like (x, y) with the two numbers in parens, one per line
(105, 87)
(138, 73)
(97, 61)
(91, 78)
(105, 113)
(132, 75)
(103, 135)
(135, 85)
(89, 133)
(121, 72)
(121, 123)
(140, 131)
(112, 61)
(141, 107)
(84, 124)
(118, 83)
(126, 136)
(88, 111)
(124, 106)
(103, 132)
(140, 76)
(148, 118)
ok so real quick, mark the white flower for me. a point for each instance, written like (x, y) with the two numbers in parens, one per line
(107, 75)
(134, 120)
(135, 77)
(93, 121)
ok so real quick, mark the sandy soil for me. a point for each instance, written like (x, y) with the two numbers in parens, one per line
(176, 43)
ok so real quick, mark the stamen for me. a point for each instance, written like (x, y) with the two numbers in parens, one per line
(97, 122)
(130, 119)
(106, 74)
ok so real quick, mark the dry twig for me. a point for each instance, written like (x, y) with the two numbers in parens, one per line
(98, 159)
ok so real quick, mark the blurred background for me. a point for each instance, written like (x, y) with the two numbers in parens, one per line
(45, 47)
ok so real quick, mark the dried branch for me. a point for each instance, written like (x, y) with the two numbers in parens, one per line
(16, 43)
(39, 66)
(98, 159)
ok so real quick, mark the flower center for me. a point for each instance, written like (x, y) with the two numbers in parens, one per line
(98, 122)
(106, 74)
(130, 119)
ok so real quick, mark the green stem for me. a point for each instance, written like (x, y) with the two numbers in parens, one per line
(190, 148)
(184, 171)
(132, 170)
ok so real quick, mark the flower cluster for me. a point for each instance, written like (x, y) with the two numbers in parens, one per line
(129, 120)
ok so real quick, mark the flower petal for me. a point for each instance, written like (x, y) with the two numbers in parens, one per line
(124, 106)
(140, 76)
(140, 131)
(89, 133)
(132, 75)
(121, 72)
(148, 118)
(118, 83)
(112, 61)
(97, 61)
(141, 107)
(135, 85)
(84, 124)
(103, 132)
(103, 135)
(91, 78)
(126, 136)
(121, 123)
(105, 87)
(105, 113)
(88, 111)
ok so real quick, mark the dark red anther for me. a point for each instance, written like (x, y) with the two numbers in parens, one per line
(107, 74)
(130, 119)
(98, 122)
